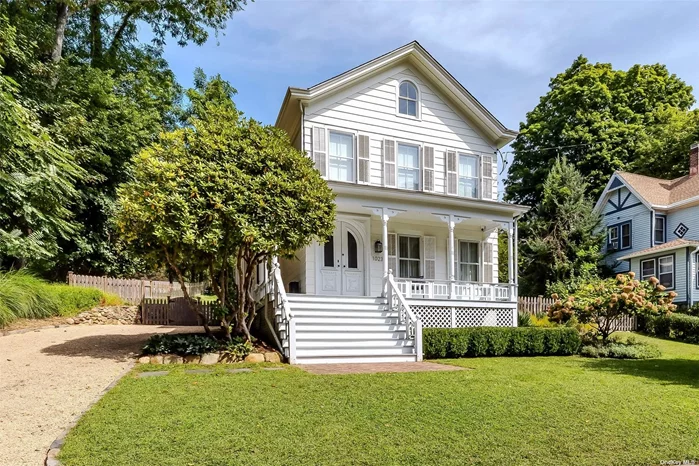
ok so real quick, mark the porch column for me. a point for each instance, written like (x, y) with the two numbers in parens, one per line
(510, 253)
(516, 258)
(451, 250)
(384, 240)
(451, 221)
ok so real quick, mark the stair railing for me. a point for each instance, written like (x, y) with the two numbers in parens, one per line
(397, 303)
(282, 310)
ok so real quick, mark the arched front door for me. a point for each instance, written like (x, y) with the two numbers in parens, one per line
(342, 262)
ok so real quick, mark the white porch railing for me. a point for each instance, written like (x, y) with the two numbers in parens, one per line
(459, 290)
(285, 325)
(397, 302)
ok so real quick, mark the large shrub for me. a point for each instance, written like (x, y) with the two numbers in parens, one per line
(603, 303)
(674, 326)
(499, 341)
(196, 345)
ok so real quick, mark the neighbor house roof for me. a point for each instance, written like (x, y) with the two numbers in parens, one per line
(665, 247)
(662, 193)
(416, 55)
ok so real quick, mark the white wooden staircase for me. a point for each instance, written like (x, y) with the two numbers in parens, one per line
(332, 329)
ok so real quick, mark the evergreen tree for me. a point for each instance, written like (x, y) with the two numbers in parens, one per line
(563, 240)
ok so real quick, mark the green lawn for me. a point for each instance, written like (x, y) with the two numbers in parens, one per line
(546, 410)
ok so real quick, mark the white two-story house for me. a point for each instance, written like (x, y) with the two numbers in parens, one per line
(653, 228)
(411, 157)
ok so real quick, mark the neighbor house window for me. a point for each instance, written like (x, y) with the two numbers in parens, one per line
(468, 175)
(341, 157)
(659, 228)
(619, 237)
(409, 256)
(666, 271)
(647, 269)
(408, 167)
(468, 261)
(407, 99)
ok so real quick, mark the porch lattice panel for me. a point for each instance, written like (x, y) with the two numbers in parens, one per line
(441, 317)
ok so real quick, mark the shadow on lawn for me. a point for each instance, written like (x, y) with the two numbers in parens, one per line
(672, 371)
(115, 347)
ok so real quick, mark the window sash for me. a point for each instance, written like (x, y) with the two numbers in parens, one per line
(408, 167)
(341, 157)
(644, 275)
(468, 174)
(659, 229)
(667, 277)
(469, 262)
(409, 260)
(625, 236)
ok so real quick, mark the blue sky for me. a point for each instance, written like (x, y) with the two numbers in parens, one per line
(504, 52)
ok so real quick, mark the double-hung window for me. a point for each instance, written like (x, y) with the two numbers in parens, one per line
(409, 256)
(619, 237)
(468, 261)
(468, 175)
(408, 167)
(659, 228)
(341, 157)
(647, 269)
(666, 271)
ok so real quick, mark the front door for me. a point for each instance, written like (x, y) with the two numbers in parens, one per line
(342, 262)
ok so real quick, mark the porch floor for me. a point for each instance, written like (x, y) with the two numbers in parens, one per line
(373, 368)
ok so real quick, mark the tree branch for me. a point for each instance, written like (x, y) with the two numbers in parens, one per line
(188, 299)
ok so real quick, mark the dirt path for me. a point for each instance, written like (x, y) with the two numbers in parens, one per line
(50, 376)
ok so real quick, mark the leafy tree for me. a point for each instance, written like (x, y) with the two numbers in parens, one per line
(603, 303)
(221, 196)
(562, 235)
(602, 120)
(37, 175)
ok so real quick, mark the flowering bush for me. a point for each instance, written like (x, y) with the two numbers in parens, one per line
(602, 303)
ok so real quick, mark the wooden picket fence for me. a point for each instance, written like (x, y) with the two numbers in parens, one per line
(173, 311)
(540, 305)
(133, 291)
(534, 304)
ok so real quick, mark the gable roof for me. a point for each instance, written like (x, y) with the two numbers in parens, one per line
(655, 192)
(669, 246)
(415, 54)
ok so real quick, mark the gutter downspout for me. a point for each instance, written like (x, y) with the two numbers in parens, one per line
(692, 263)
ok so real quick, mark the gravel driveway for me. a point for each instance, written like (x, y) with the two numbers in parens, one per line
(50, 376)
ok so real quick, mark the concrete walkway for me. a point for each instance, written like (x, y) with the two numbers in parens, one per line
(372, 368)
(50, 376)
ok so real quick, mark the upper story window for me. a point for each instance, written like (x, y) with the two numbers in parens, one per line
(341, 157)
(468, 175)
(619, 236)
(407, 99)
(660, 229)
(408, 167)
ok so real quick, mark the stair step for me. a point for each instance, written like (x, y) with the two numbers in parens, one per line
(356, 359)
(339, 327)
(352, 344)
(322, 305)
(341, 335)
(346, 320)
(343, 313)
(343, 352)
(307, 298)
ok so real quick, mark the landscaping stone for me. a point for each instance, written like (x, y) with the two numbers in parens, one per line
(153, 374)
(198, 371)
(209, 358)
(172, 359)
(144, 360)
(108, 315)
(156, 359)
(191, 359)
(272, 357)
(235, 371)
(255, 357)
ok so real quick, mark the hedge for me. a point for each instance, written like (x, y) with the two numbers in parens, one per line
(499, 341)
(681, 327)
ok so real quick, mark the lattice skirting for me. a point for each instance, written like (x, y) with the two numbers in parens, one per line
(457, 317)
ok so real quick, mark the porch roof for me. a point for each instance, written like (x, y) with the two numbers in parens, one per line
(669, 246)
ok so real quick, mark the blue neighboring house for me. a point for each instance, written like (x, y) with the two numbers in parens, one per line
(653, 228)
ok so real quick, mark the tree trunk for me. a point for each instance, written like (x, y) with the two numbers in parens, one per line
(188, 299)
(60, 31)
(95, 34)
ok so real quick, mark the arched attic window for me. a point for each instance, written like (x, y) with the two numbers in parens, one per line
(407, 99)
